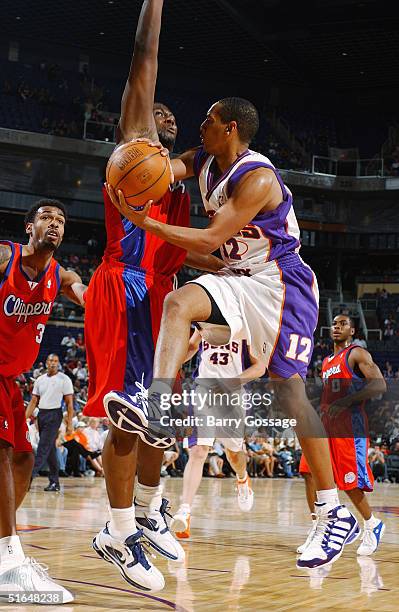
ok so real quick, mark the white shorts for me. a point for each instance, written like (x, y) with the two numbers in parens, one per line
(233, 444)
(275, 309)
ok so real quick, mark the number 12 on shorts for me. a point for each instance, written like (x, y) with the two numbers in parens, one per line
(302, 353)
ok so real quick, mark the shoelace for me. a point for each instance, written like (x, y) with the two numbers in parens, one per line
(40, 568)
(367, 538)
(139, 548)
(163, 511)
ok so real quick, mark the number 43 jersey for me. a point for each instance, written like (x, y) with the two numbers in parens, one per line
(227, 361)
(25, 307)
(269, 235)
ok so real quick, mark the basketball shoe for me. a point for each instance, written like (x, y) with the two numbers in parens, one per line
(32, 577)
(155, 528)
(245, 495)
(130, 413)
(335, 528)
(371, 539)
(180, 524)
(130, 558)
(309, 537)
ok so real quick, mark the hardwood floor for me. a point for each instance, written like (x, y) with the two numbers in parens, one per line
(234, 561)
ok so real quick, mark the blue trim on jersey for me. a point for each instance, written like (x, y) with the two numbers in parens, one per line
(7, 271)
(349, 349)
(140, 345)
(57, 276)
(132, 244)
(360, 441)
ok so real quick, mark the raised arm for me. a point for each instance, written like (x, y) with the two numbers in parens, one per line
(72, 286)
(137, 118)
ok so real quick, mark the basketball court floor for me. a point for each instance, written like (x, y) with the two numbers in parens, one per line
(234, 561)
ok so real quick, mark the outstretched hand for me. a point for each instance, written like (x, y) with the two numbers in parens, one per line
(136, 215)
(163, 151)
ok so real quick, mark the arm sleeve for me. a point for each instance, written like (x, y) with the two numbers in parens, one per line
(68, 386)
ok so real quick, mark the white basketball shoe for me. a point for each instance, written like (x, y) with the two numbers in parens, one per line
(155, 528)
(309, 537)
(245, 495)
(180, 524)
(130, 559)
(371, 539)
(32, 579)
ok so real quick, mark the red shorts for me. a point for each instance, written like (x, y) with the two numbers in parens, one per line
(13, 427)
(122, 321)
(349, 459)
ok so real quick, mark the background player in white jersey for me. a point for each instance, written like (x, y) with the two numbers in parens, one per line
(234, 363)
(266, 292)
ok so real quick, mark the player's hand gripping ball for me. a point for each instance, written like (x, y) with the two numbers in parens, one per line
(141, 170)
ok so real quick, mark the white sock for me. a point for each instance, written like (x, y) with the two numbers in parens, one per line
(185, 508)
(11, 553)
(371, 522)
(148, 497)
(328, 496)
(122, 523)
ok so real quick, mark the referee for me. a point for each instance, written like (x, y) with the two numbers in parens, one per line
(48, 391)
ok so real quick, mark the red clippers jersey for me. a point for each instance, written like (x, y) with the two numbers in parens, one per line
(338, 377)
(135, 247)
(25, 306)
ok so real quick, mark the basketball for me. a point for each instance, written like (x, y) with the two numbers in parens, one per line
(139, 171)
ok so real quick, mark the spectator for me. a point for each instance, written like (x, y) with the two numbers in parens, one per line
(68, 341)
(77, 445)
(38, 370)
(377, 463)
(169, 457)
(80, 372)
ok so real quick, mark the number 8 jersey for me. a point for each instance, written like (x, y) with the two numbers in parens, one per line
(25, 308)
(270, 235)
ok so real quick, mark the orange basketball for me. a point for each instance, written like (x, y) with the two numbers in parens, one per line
(139, 171)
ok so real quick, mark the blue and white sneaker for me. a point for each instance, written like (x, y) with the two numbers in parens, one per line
(155, 528)
(130, 413)
(130, 558)
(336, 527)
(371, 539)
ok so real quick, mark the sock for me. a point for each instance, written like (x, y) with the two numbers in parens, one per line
(148, 497)
(241, 480)
(328, 496)
(371, 522)
(185, 508)
(122, 523)
(11, 553)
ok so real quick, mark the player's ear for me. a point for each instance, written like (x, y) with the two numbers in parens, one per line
(231, 127)
(28, 228)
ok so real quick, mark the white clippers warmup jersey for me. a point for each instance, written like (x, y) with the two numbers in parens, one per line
(269, 235)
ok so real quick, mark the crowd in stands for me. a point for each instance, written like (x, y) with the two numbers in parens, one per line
(47, 98)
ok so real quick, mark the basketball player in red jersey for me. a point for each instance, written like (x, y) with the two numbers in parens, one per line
(345, 420)
(123, 313)
(30, 280)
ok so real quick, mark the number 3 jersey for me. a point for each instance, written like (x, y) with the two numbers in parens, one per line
(269, 235)
(25, 308)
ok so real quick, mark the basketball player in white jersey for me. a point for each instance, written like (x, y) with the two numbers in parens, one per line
(234, 363)
(265, 292)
